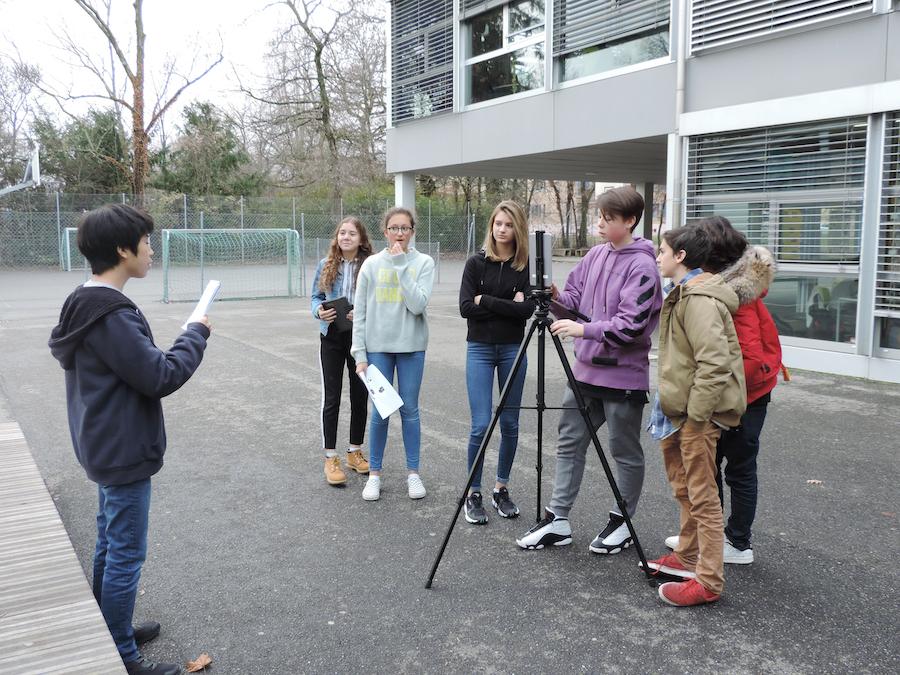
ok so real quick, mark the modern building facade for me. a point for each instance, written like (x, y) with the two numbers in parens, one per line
(783, 115)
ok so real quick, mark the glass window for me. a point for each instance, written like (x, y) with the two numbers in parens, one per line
(817, 307)
(822, 232)
(889, 335)
(509, 73)
(507, 51)
(487, 32)
(751, 218)
(525, 19)
(601, 58)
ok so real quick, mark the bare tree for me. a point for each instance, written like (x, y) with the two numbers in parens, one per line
(321, 107)
(585, 201)
(558, 198)
(16, 111)
(116, 91)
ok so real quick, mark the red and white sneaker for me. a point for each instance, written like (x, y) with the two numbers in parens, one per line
(671, 565)
(686, 593)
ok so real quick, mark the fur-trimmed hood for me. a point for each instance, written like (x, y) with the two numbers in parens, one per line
(751, 276)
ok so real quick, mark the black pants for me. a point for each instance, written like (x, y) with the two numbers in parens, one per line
(334, 352)
(738, 448)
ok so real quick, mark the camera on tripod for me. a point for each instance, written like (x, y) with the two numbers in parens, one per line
(540, 261)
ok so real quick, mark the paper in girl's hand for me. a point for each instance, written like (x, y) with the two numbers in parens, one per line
(383, 395)
(203, 304)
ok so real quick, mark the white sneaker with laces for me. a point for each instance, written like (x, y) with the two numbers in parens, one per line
(730, 554)
(415, 485)
(372, 491)
(735, 556)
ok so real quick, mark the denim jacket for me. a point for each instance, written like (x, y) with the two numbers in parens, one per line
(337, 290)
(660, 426)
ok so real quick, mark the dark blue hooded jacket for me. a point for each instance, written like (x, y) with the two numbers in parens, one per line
(115, 378)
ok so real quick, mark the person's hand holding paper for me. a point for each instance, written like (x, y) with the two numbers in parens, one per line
(383, 395)
(199, 315)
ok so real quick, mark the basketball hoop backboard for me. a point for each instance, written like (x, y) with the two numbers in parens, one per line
(32, 175)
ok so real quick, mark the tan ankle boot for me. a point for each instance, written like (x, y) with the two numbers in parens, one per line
(334, 474)
(357, 461)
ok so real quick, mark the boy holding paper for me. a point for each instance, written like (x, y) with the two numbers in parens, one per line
(115, 377)
(390, 331)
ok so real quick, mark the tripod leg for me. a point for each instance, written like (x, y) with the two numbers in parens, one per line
(582, 406)
(541, 406)
(479, 458)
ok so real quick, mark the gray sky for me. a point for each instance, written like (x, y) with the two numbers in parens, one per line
(174, 28)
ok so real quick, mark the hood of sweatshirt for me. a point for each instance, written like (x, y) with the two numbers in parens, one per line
(751, 276)
(82, 309)
(711, 285)
(639, 246)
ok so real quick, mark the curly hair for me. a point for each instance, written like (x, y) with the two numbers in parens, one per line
(333, 261)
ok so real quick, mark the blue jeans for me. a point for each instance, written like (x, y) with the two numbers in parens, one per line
(122, 520)
(410, 366)
(739, 448)
(482, 360)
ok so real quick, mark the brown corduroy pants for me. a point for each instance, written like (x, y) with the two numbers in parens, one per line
(690, 459)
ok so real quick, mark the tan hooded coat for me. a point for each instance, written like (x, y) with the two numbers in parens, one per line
(701, 370)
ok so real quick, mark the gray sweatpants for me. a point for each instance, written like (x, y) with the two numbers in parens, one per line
(624, 422)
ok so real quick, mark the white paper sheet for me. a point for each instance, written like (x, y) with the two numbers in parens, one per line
(383, 395)
(203, 304)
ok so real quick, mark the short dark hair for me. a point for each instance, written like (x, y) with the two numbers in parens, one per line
(624, 202)
(727, 244)
(102, 232)
(694, 241)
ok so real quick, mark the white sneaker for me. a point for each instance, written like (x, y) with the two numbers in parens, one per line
(551, 531)
(415, 485)
(730, 554)
(372, 490)
(735, 556)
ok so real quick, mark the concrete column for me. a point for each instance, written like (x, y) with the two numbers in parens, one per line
(405, 191)
(405, 194)
(674, 184)
(868, 245)
(647, 219)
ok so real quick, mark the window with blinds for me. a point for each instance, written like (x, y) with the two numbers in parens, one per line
(421, 58)
(719, 23)
(796, 189)
(580, 24)
(595, 36)
(887, 279)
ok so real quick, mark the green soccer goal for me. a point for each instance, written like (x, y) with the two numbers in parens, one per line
(250, 263)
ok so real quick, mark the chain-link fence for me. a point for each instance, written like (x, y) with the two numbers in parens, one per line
(38, 230)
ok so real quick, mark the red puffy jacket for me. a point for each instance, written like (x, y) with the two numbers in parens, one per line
(760, 346)
(749, 278)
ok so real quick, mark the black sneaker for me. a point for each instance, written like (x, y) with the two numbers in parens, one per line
(144, 632)
(504, 505)
(144, 666)
(613, 538)
(475, 510)
(551, 531)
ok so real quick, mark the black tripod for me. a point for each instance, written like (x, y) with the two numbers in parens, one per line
(540, 322)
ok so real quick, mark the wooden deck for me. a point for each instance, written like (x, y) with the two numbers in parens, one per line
(49, 622)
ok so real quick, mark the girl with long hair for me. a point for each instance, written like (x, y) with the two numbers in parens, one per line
(494, 300)
(336, 277)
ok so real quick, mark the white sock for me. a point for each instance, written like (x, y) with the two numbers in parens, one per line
(330, 453)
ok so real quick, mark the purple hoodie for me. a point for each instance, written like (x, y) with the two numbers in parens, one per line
(620, 291)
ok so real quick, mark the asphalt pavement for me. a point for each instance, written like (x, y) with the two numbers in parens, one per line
(255, 560)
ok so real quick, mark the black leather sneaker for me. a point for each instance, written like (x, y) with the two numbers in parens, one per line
(144, 632)
(144, 666)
